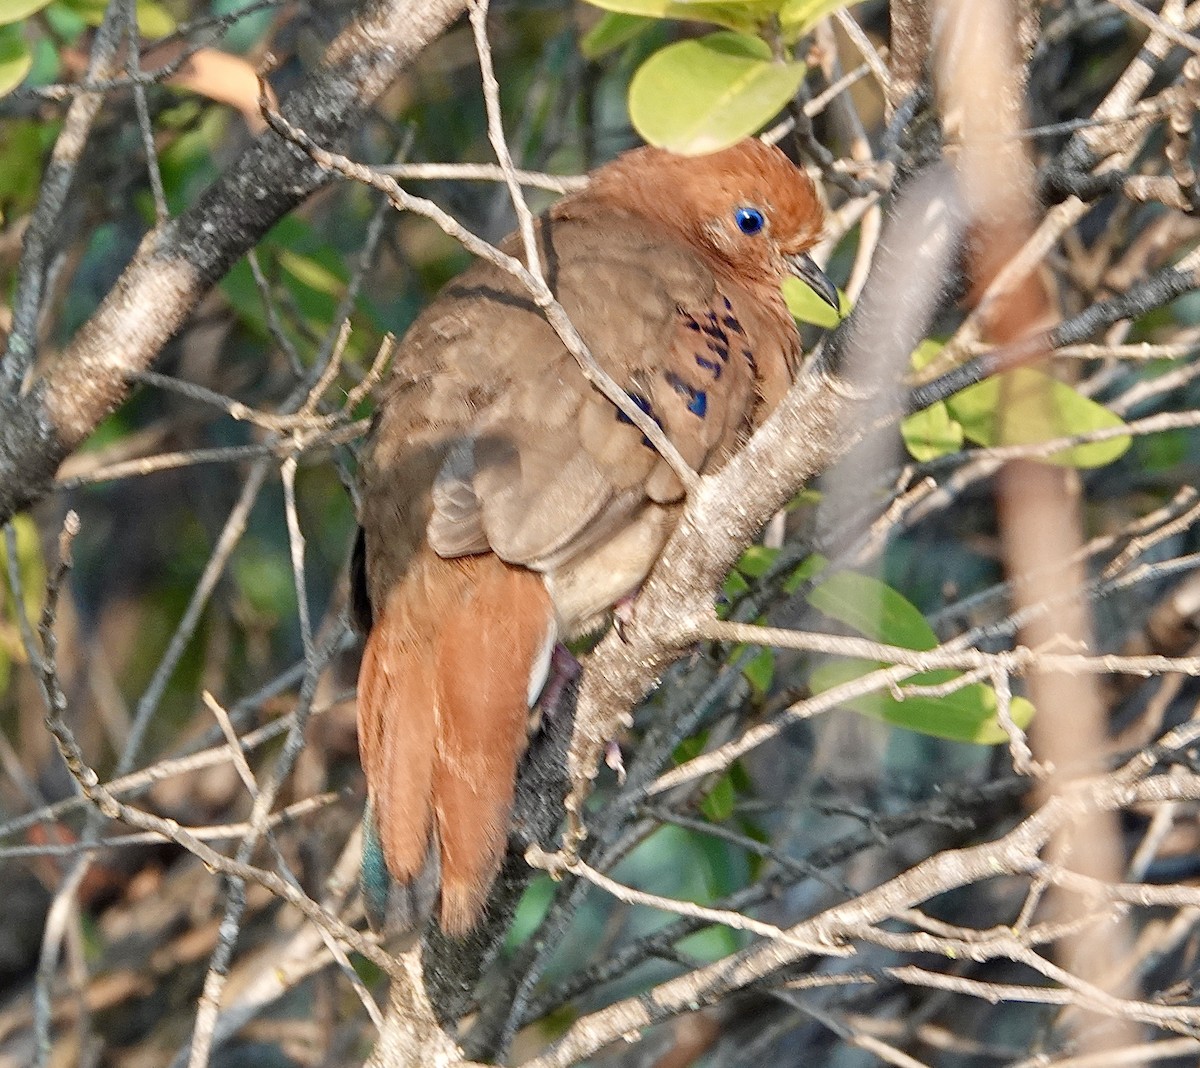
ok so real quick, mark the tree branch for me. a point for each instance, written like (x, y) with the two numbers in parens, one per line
(179, 262)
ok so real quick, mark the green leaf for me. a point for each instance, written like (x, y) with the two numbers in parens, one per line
(746, 15)
(613, 31)
(307, 270)
(797, 17)
(966, 715)
(759, 670)
(30, 565)
(925, 353)
(16, 10)
(1024, 407)
(717, 805)
(806, 306)
(154, 20)
(756, 561)
(873, 609)
(703, 95)
(876, 610)
(15, 58)
(931, 433)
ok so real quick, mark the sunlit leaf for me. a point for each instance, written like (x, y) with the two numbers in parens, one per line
(15, 58)
(30, 565)
(797, 17)
(16, 10)
(749, 16)
(702, 95)
(757, 560)
(1024, 407)
(154, 20)
(806, 306)
(931, 433)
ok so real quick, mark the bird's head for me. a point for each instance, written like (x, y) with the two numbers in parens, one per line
(748, 209)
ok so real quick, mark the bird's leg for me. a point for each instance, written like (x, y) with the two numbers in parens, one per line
(564, 672)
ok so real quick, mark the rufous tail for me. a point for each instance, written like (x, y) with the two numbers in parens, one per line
(454, 659)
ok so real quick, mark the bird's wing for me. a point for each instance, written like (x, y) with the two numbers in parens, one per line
(526, 457)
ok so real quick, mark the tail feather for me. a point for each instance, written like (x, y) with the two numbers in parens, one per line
(391, 905)
(452, 664)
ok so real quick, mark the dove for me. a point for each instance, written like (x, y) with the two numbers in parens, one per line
(506, 505)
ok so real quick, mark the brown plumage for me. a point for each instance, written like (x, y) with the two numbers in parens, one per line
(506, 504)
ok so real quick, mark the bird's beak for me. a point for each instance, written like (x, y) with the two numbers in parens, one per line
(804, 268)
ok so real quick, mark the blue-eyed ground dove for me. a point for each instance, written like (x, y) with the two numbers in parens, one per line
(507, 504)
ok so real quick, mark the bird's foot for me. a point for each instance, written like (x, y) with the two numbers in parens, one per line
(614, 759)
(623, 613)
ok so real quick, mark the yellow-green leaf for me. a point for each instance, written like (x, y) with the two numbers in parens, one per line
(313, 274)
(612, 32)
(30, 566)
(702, 95)
(797, 17)
(747, 15)
(16, 10)
(1024, 407)
(757, 560)
(15, 58)
(806, 306)
(931, 433)
(154, 20)
(966, 715)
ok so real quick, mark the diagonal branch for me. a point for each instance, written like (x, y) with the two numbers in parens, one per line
(178, 262)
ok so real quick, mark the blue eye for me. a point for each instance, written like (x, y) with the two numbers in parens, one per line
(749, 220)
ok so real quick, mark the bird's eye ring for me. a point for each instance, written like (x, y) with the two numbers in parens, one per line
(749, 220)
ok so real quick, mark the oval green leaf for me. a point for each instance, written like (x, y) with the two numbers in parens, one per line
(873, 609)
(1024, 407)
(747, 15)
(16, 10)
(15, 58)
(966, 715)
(703, 95)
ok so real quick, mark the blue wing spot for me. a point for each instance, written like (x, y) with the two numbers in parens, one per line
(710, 365)
(750, 359)
(644, 404)
(728, 306)
(697, 399)
(731, 322)
(719, 349)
